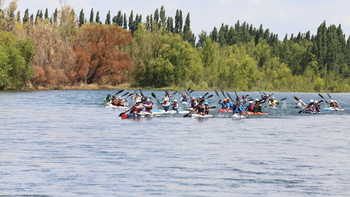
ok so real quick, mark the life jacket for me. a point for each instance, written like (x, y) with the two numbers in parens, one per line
(257, 108)
(138, 109)
(120, 103)
(201, 108)
(251, 108)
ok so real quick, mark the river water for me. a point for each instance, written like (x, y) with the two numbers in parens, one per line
(65, 143)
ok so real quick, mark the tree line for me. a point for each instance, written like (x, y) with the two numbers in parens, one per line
(66, 48)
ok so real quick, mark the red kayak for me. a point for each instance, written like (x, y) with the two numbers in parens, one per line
(225, 110)
(257, 113)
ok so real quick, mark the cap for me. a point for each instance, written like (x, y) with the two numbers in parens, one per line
(175, 100)
(273, 97)
(332, 101)
(251, 102)
(225, 99)
(256, 99)
(316, 101)
(311, 101)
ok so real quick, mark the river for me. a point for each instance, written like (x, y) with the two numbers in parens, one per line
(65, 143)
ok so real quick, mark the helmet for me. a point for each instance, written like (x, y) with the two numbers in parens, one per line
(316, 101)
(243, 96)
(335, 101)
(206, 103)
(256, 99)
(175, 101)
(200, 96)
(273, 97)
(225, 100)
(250, 102)
(311, 101)
(166, 98)
(332, 101)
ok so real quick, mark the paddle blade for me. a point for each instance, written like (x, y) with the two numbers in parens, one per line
(154, 96)
(321, 96)
(216, 92)
(120, 91)
(120, 115)
(229, 96)
(209, 96)
(223, 93)
(167, 93)
(181, 94)
(329, 96)
(212, 107)
(283, 99)
(186, 115)
(205, 94)
(189, 89)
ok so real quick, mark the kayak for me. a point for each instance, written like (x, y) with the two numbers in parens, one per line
(225, 110)
(201, 116)
(137, 115)
(238, 116)
(257, 113)
(109, 105)
(312, 112)
(333, 109)
(168, 112)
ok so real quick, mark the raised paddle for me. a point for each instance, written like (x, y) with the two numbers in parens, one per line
(237, 97)
(210, 96)
(186, 115)
(120, 91)
(205, 94)
(155, 97)
(141, 92)
(191, 91)
(223, 93)
(217, 94)
(329, 96)
(229, 96)
(181, 94)
(124, 94)
(187, 93)
(283, 99)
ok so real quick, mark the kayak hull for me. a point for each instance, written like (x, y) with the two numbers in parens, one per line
(238, 116)
(333, 109)
(115, 107)
(168, 112)
(225, 110)
(201, 116)
(257, 113)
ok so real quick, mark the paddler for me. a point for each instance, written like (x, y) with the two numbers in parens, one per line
(166, 104)
(114, 100)
(237, 108)
(201, 107)
(310, 106)
(299, 103)
(120, 102)
(108, 98)
(148, 106)
(331, 103)
(184, 98)
(317, 106)
(206, 108)
(336, 105)
(193, 103)
(273, 102)
(257, 106)
(138, 108)
(244, 99)
(250, 107)
(175, 106)
(225, 104)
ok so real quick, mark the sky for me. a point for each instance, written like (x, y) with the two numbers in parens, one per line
(279, 16)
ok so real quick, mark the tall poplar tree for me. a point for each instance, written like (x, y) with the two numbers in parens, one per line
(98, 17)
(26, 16)
(92, 15)
(125, 25)
(162, 17)
(46, 13)
(131, 21)
(81, 18)
(108, 18)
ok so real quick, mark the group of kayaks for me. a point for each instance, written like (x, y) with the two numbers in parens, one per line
(199, 107)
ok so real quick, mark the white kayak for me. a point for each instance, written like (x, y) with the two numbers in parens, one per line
(238, 116)
(333, 109)
(312, 112)
(109, 105)
(142, 114)
(201, 116)
(168, 112)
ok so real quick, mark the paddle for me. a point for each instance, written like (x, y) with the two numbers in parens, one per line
(322, 97)
(181, 94)
(120, 91)
(205, 94)
(191, 91)
(129, 108)
(155, 97)
(229, 96)
(173, 93)
(223, 93)
(187, 93)
(329, 96)
(210, 96)
(141, 92)
(237, 97)
(283, 99)
(216, 92)
(124, 94)
(129, 95)
(260, 92)
(167, 93)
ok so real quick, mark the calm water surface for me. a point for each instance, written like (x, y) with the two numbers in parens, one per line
(65, 143)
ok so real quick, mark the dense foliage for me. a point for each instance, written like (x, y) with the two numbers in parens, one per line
(163, 51)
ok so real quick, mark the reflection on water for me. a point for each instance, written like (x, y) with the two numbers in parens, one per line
(64, 143)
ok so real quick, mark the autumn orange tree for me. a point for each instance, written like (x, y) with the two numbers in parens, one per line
(99, 54)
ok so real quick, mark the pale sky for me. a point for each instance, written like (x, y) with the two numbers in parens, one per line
(279, 16)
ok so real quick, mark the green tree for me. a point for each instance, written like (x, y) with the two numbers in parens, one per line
(108, 18)
(92, 15)
(46, 13)
(81, 18)
(98, 17)
(26, 16)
